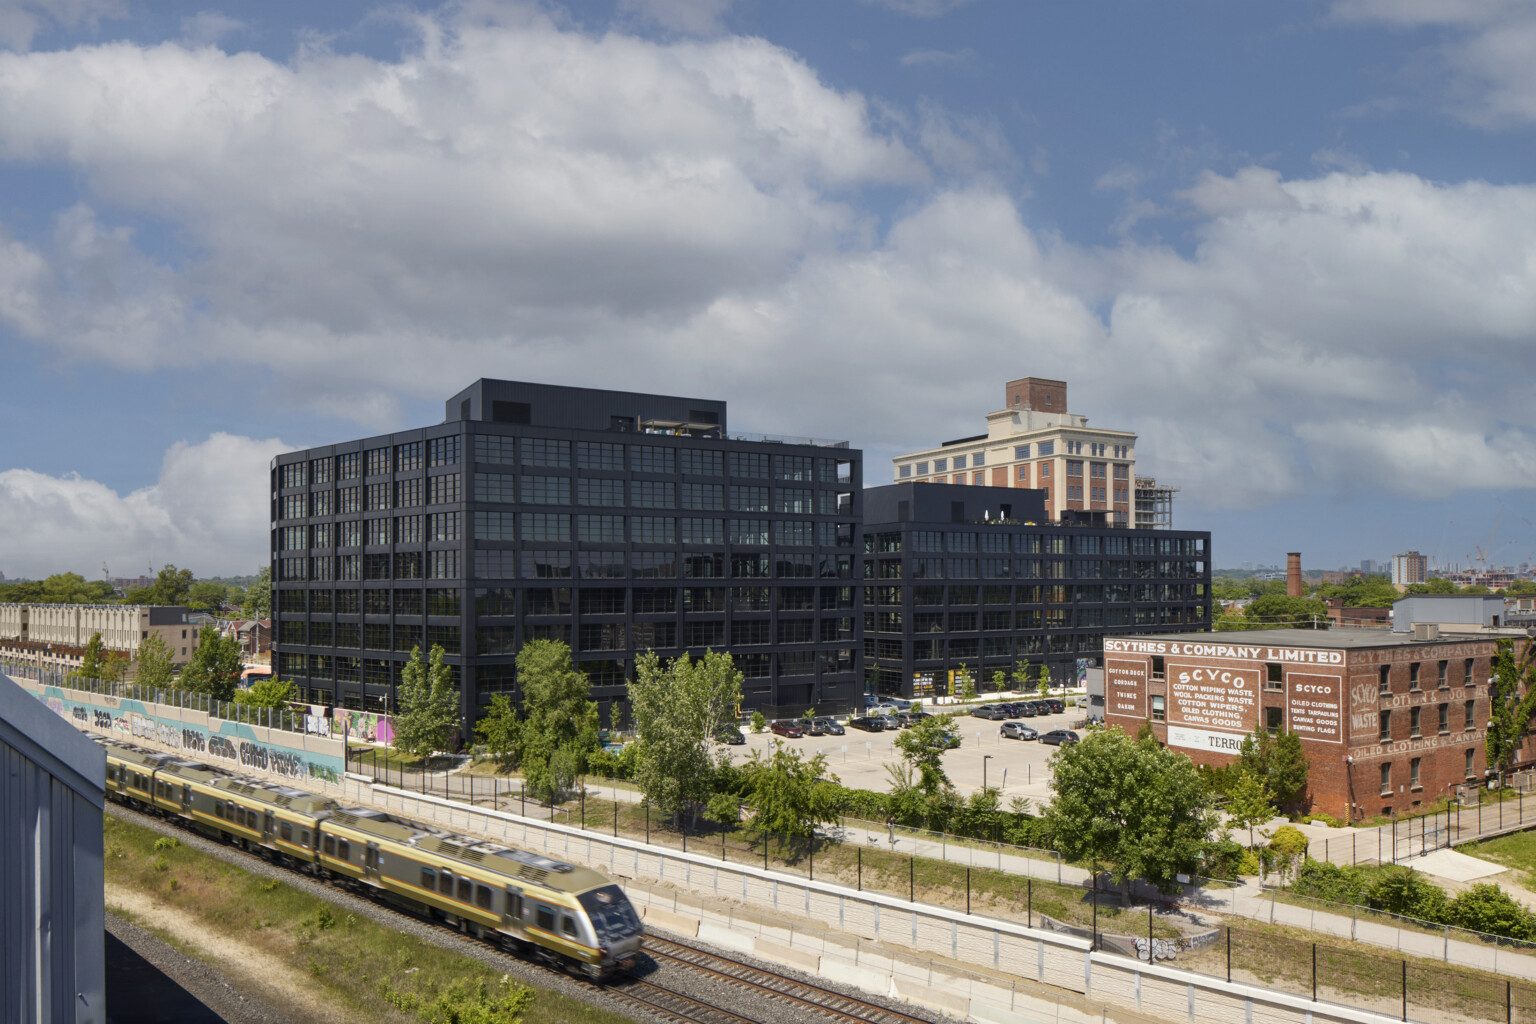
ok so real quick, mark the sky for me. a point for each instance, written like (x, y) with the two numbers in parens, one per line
(1291, 245)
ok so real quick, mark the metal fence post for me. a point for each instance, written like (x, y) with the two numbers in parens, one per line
(1405, 990)
(1314, 972)
(859, 851)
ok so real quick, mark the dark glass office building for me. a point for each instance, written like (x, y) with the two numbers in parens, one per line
(961, 579)
(613, 521)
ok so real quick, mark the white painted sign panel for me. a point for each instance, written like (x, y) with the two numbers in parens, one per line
(1204, 739)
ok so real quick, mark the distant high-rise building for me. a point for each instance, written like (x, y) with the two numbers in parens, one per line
(1408, 568)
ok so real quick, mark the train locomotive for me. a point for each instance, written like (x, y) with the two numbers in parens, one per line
(564, 914)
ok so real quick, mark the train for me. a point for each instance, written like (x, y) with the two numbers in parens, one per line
(566, 915)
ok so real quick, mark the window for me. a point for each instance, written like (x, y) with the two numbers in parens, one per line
(1074, 467)
(1471, 755)
(1274, 719)
(445, 883)
(941, 465)
(1413, 774)
(959, 461)
(904, 471)
(1445, 718)
(654, 459)
(1386, 779)
(1045, 448)
(546, 526)
(1384, 727)
(653, 494)
(1466, 673)
(446, 525)
(1413, 675)
(599, 455)
(495, 564)
(1384, 679)
(978, 459)
(568, 925)
(466, 890)
(1159, 669)
(653, 530)
(703, 497)
(922, 469)
(408, 530)
(701, 531)
(443, 451)
(482, 897)
(543, 451)
(349, 466)
(1159, 712)
(1414, 715)
(754, 464)
(699, 462)
(596, 491)
(1442, 675)
(793, 500)
(1466, 722)
(600, 529)
(407, 493)
(544, 490)
(442, 565)
(428, 879)
(749, 499)
(1045, 470)
(1021, 451)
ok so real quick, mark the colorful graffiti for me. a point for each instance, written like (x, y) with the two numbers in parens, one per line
(364, 725)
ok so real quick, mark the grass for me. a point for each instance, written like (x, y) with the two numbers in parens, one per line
(368, 970)
(1517, 850)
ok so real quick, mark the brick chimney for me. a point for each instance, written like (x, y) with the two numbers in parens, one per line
(1036, 393)
(1293, 584)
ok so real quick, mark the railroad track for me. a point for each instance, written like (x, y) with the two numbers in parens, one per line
(646, 997)
(828, 1001)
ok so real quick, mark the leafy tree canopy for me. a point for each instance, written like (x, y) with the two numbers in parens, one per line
(790, 794)
(1362, 592)
(266, 693)
(559, 727)
(1277, 761)
(215, 666)
(922, 747)
(1135, 805)
(429, 705)
(1277, 611)
(257, 600)
(60, 588)
(498, 729)
(1434, 585)
(155, 665)
(1512, 702)
(171, 586)
(679, 708)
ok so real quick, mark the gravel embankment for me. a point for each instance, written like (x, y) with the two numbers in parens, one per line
(747, 1002)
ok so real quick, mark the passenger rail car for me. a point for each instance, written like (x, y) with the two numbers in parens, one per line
(564, 914)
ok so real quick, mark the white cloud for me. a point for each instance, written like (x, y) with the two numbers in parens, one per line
(1489, 49)
(207, 512)
(22, 20)
(919, 8)
(207, 28)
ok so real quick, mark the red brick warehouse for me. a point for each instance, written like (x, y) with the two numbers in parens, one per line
(1388, 722)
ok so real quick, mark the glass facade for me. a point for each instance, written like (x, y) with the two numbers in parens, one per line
(587, 524)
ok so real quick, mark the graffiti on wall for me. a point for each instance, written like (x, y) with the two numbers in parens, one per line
(364, 725)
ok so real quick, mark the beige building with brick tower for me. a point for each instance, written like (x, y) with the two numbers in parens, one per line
(1034, 441)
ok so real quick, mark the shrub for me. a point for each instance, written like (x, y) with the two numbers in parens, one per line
(759, 721)
(1248, 863)
(1403, 891)
(1487, 908)
(166, 843)
(1322, 880)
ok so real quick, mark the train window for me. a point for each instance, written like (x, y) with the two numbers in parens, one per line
(445, 883)
(482, 897)
(330, 846)
(466, 890)
(287, 832)
(428, 878)
(568, 925)
(344, 850)
(304, 837)
(514, 905)
(546, 918)
(218, 808)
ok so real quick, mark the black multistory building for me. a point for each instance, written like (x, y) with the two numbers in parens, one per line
(973, 580)
(617, 522)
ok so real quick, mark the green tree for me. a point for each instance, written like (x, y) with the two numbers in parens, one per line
(207, 595)
(1249, 805)
(215, 667)
(1277, 611)
(999, 681)
(429, 705)
(498, 730)
(1278, 762)
(155, 662)
(257, 602)
(95, 657)
(679, 708)
(113, 667)
(1510, 709)
(1287, 844)
(967, 682)
(266, 693)
(789, 794)
(1023, 676)
(60, 588)
(171, 586)
(759, 721)
(1487, 908)
(1045, 680)
(922, 747)
(1134, 805)
(559, 726)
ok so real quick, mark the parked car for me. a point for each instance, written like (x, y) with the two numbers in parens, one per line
(732, 735)
(906, 718)
(868, 723)
(895, 702)
(1042, 707)
(991, 711)
(1056, 737)
(786, 728)
(826, 727)
(1057, 706)
(1027, 709)
(1012, 710)
(1017, 731)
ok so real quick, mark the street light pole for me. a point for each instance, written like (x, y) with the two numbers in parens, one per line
(984, 759)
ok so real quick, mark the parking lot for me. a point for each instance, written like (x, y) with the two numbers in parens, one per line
(1016, 767)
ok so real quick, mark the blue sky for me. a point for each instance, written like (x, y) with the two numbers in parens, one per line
(1292, 245)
